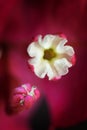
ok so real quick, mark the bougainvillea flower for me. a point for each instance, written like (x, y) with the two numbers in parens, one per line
(50, 56)
(23, 97)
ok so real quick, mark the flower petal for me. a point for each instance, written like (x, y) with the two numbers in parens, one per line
(62, 65)
(34, 50)
(47, 41)
(34, 61)
(51, 72)
(64, 49)
(60, 46)
(40, 69)
(69, 50)
(19, 90)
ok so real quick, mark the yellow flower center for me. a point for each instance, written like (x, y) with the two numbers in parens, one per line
(49, 54)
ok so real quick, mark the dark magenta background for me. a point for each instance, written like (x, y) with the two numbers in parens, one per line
(20, 21)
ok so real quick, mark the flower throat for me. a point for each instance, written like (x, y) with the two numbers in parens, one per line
(49, 54)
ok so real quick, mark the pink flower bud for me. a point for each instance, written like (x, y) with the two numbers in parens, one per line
(23, 97)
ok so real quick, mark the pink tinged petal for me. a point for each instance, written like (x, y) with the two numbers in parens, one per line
(19, 90)
(37, 94)
(34, 92)
(22, 89)
(27, 88)
(33, 95)
(36, 38)
(73, 60)
(56, 78)
(16, 99)
(30, 66)
(16, 103)
(62, 65)
(29, 101)
(62, 35)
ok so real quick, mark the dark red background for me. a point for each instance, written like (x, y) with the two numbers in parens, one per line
(20, 21)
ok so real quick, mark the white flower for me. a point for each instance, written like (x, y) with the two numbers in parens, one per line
(50, 56)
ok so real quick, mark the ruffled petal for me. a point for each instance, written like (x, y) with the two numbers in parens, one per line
(69, 50)
(51, 71)
(60, 46)
(34, 61)
(62, 65)
(64, 49)
(40, 69)
(47, 41)
(34, 50)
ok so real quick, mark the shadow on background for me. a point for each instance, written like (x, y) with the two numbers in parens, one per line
(40, 119)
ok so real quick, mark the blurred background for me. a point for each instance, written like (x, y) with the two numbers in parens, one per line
(63, 103)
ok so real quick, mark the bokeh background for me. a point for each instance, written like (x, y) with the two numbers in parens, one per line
(63, 103)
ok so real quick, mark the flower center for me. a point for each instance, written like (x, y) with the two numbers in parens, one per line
(49, 54)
